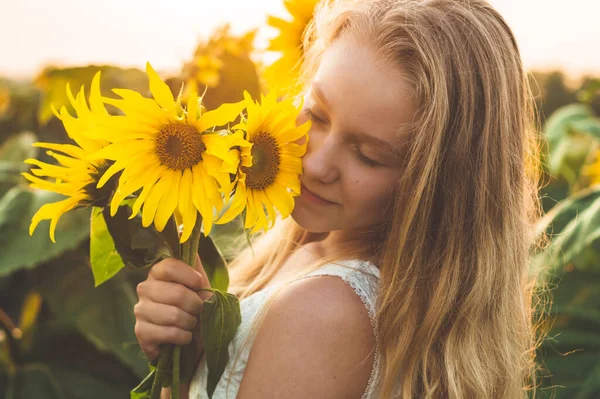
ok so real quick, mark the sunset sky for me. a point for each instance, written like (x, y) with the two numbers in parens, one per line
(34, 33)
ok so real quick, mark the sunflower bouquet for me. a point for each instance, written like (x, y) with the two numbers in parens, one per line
(158, 175)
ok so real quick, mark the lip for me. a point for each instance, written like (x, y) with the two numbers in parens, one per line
(312, 197)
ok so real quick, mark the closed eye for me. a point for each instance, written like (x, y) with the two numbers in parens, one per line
(314, 117)
(368, 161)
(365, 159)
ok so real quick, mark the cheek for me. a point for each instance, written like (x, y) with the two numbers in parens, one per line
(371, 194)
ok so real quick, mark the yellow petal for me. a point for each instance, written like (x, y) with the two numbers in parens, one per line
(294, 134)
(154, 172)
(128, 187)
(283, 201)
(60, 188)
(221, 116)
(157, 192)
(161, 92)
(168, 202)
(192, 109)
(96, 104)
(69, 149)
(186, 206)
(238, 203)
(53, 211)
(200, 197)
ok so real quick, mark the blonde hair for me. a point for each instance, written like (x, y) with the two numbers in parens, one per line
(455, 309)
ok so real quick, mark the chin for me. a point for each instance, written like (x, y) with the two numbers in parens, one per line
(310, 222)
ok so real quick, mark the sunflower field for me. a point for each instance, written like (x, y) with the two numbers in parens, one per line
(64, 335)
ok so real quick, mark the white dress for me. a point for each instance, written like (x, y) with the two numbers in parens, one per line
(362, 276)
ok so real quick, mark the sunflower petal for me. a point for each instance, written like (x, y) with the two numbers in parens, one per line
(200, 199)
(153, 174)
(168, 202)
(186, 206)
(52, 211)
(221, 116)
(161, 92)
(157, 192)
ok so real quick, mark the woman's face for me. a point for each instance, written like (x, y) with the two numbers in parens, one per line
(358, 105)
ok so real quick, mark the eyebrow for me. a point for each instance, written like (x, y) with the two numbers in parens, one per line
(387, 146)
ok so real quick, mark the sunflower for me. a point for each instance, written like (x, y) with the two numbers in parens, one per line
(593, 170)
(269, 169)
(75, 176)
(204, 70)
(173, 156)
(284, 71)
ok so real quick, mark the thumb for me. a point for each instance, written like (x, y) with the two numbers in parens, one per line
(204, 295)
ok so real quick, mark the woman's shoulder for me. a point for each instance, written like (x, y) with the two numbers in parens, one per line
(323, 326)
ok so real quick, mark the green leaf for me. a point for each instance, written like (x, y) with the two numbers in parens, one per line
(142, 391)
(19, 250)
(55, 381)
(103, 315)
(570, 132)
(82, 384)
(10, 175)
(574, 226)
(105, 260)
(590, 126)
(561, 120)
(19, 148)
(220, 320)
(213, 263)
(141, 246)
(34, 381)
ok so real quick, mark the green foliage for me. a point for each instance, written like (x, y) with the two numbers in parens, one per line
(221, 316)
(142, 391)
(52, 82)
(571, 263)
(19, 250)
(103, 315)
(571, 133)
(12, 154)
(105, 260)
(213, 263)
(139, 246)
(19, 114)
(575, 229)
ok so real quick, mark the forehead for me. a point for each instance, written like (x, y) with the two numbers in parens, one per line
(363, 92)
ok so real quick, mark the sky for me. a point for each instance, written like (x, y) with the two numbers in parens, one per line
(35, 33)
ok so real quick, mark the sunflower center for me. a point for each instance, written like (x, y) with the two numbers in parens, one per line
(179, 146)
(265, 162)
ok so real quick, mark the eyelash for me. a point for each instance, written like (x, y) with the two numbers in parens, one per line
(360, 155)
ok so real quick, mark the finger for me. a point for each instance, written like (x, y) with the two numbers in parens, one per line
(151, 336)
(164, 315)
(168, 293)
(176, 271)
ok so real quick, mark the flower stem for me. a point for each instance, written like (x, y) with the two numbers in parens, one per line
(163, 363)
(176, 368)
(188, 254)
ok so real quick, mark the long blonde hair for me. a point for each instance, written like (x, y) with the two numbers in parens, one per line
(455, 309)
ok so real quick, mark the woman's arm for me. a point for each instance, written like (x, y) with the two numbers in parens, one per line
(316, 341)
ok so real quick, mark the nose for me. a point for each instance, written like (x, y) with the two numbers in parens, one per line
(320, 161)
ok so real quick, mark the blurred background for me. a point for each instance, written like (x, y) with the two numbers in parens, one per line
(61, 337)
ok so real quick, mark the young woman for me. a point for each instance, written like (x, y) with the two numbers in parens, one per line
(403, 271)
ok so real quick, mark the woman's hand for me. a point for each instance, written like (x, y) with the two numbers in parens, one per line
(169, 306)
